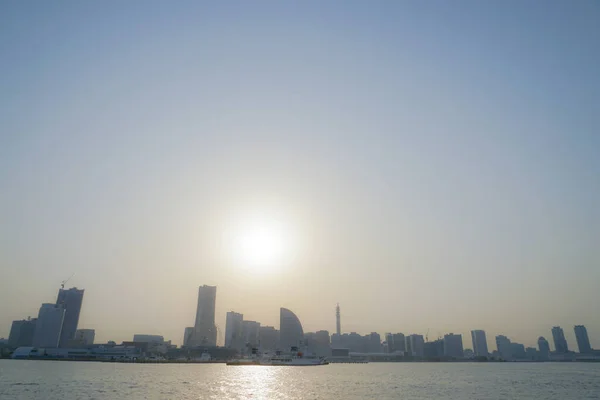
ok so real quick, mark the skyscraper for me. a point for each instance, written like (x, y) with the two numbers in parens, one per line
(453, 345)
(399, 343)
(417, 345)
(85, 336)
(205, 330)
(389, 339)
(268, 337)
(188, 333)
(480, 347)
(560, 343)
(21, 333)
(504, 346)
(290, 329)
(544, 348)
(70, 300)
(48, 326)
(338, 324)
(233, 330)
(583, 341)
(250, 332)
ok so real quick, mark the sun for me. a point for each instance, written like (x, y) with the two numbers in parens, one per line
(262, 244)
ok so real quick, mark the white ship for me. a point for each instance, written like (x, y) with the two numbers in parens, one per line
(294, 358)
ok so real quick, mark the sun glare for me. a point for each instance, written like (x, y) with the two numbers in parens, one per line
(261, 245)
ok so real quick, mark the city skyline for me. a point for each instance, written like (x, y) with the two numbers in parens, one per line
(431, 168)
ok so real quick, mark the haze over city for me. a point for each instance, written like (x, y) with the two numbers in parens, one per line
(429, 167)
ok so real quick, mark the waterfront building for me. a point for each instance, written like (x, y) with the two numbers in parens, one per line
(517, 351)
(144, 338)
(71, 300)
(85, 336)
(544, 348)
(21, 333)
(560, 343)
(318, 343)
(480, 348)
(504, 346)
(399, 343)
(187, 335)
(205, 330)
(269, 338)
(453, 345)
(373, 343)
(250, 331)
(417, 345)
(389, 340)
(532, 353)
(583, 341)
(233, 330)
(434, 349)
(290, 329)
(48, 326)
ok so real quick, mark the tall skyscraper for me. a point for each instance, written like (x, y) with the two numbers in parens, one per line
(49, 326)
(21, 333)
(290, 329)
(544, 348)
(188, 333)
(338, 324)
(504, 346)
(205, 330)
(560, 343)
(453, 346)
(399, 343)
(389, 339)
(250, 332)
(268, 337)
(417, 345)
(583, 341)
(233, 331)
(480, 347)
(70, 300)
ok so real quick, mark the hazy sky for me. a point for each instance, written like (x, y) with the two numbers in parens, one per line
(435, 164)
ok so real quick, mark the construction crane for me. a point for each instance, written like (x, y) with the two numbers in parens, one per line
(63, 283)
(427, 335)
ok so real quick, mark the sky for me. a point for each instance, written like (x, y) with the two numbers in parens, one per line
(432, 166)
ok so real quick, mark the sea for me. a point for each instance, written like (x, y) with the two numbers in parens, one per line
(26, 379)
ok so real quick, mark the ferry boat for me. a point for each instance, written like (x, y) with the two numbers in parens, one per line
(294, 358)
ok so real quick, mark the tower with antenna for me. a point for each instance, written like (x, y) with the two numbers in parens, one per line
(338, 325)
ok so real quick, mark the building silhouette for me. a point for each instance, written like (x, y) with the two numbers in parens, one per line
(290, 329)
(583, 341)
(417, 345)
(48, 326)
(544, 348)
(480, 347)
(21, 333)
(205, 330)
(399, 343)
(504, 346)
(338, 323)
(250, 333)
(71, 300)
(233, 330)
(85, 337)
(269, 338)
(560, 343)
(453, 345)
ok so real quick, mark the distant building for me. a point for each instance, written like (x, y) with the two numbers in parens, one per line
(518, 351)
(480, 348)
(269, 338)
(468, 353)
(205, 330)
(453, 345)
(187, 335)
(21, 333)
(85, 336)
(233, 331)
(417, 345)
(560, 343)
(290, 329)
(373, 343)
(389, 339)
(504, 346)
(583, 341)
(399, 343)
(250, 330)
(318, 343)
(532, 353)
(71, 300)
(544, 348)
(143, 338)
(338, 323)
(434, 349)
(49, 326)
